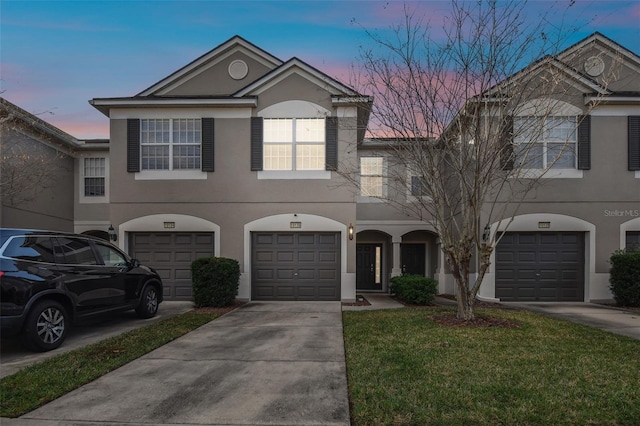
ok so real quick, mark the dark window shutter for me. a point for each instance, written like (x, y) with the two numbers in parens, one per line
(256, 143)
(506, 144)
(584, 142)
(331, 143)
(634, 142)
(208, 155)
(133, 145)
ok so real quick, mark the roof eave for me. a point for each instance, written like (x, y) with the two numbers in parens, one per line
(105, 105)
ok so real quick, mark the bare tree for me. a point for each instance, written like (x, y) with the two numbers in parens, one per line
(30, 155)
(445, 102)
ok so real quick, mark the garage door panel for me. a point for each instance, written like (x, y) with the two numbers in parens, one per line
(181, 256)
(306, 274)
(265, 274)
(540, 266)
(284, 274)
(505, 257)
(264, 256)
(307, 256)
(328, 274)
(284, 239)
(284, 291)
(182, 274)
(525, 257)
(328, 257)
(266, 239)
(526, 239)
(548, 257)
(285, 256)
(305, 268)
(307, 239)
(161, 256)
(171, 254)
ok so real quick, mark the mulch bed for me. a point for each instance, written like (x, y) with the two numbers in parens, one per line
(450, 320)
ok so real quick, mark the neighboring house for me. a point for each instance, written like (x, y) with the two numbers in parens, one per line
(587, 207)
(234, 155)
(559, 245)
(36, 171)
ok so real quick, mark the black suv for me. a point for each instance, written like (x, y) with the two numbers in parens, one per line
(50, 279)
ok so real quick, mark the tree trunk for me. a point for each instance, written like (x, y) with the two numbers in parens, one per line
(465, 303)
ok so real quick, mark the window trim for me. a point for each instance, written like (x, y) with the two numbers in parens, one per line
(87, 199)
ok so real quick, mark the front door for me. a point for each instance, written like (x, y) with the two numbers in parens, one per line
(413, 259)
(369, 267)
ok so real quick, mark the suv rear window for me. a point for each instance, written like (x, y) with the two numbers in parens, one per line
(76, 251)
(33, 248)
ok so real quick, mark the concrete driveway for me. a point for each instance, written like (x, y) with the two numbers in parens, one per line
(265, 363)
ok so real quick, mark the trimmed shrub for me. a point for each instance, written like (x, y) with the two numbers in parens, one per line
(414, 289)
(624, 278)
(215, 281)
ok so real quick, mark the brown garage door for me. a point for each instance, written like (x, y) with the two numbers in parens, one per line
(295, 266)
(171, 254)
(540, 266)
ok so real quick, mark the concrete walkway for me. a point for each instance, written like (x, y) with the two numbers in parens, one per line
(614, 320)
(265, 363)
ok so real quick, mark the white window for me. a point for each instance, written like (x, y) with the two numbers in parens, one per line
(371, 176)
(93, 179)
(542, 143)
(294, 144)
(95, 173)
(171, 144)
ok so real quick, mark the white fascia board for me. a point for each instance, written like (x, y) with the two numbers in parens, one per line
(177, 77)
(106, 105)
(288, 69)
(349, 100)
(612, 99)
(149, 113)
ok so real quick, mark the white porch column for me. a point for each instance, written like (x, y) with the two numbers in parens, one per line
(397, 267)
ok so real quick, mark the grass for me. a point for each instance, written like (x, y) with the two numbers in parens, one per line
(38, 384)
(404, 369)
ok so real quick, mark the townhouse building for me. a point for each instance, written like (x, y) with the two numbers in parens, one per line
(237, 154)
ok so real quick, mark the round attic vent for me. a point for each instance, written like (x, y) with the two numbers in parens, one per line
(238, 69)
(594, 66)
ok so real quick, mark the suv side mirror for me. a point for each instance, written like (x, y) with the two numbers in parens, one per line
(134, 263)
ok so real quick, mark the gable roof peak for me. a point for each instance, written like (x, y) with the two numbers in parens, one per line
(232, 43)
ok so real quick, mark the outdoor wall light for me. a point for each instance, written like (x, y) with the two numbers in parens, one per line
(112, 233)
(487, 233)
(351, 231)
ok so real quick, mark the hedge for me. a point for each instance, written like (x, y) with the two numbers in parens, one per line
(414, 289)
(624, 277)
(215, 281)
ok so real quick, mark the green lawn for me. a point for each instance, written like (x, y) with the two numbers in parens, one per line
(404, 369)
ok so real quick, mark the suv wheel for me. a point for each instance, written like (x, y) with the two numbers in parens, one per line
(46, 326)
(148, 306)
